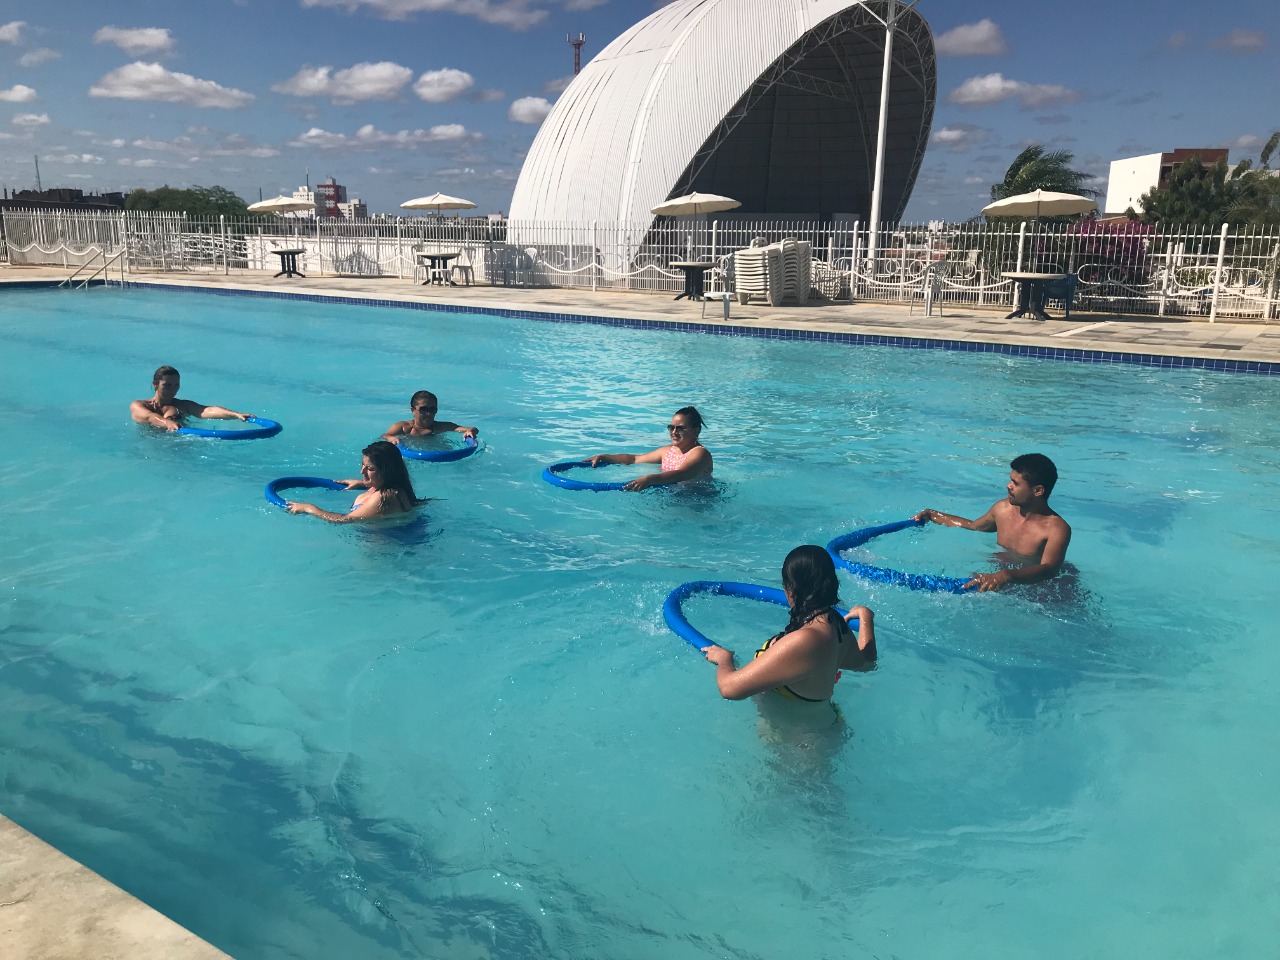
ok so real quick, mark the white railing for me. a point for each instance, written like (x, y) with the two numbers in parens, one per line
(1121, 268)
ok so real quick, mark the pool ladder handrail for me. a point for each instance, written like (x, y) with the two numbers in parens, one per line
(106, 277)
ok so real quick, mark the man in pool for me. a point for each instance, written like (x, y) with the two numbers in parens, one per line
(166, 410)
(424, 423)
(1024, 525)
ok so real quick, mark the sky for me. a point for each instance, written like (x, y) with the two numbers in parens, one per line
(401, 98)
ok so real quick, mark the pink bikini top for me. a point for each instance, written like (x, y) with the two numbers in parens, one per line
(673, 459)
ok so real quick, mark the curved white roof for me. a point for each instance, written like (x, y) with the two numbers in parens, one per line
(772, 102)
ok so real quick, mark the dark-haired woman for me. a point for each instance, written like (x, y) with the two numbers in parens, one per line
(683, 459)
(803, 662)
(383, 477)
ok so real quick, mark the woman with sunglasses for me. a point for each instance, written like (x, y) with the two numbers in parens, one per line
(685, 458)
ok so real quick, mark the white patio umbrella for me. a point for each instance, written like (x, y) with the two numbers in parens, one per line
(1040, 203)
(694, 203)
(281, 204)
(438, 202)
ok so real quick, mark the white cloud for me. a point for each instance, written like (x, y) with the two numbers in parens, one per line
(958, 137)
(981, 39)
(137, 41)
(149, 162)
(441, 86)
(369, 137)
(529, 110)
(33, 58)
(558, 85)
(17, 94)
(31, 120)
(76, 158)
(11, 32)
(584, 4)
(1242, 41)
(150, 81)
(364, 81)
(516, 14)
(1250, 143)
(1177, 40)
(232, 145)
(992, 88)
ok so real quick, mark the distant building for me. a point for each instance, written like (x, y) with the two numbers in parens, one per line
(1131, 177)
(63, 198)
(330, 200)
(355, 210)
(306, 195)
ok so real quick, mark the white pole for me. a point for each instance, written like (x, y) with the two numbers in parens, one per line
(1217, 274)
(595, 256)
(877, 183)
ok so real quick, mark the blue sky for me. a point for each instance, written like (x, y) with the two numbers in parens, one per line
(399, 98)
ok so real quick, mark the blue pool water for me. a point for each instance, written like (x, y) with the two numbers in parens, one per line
(482, 742)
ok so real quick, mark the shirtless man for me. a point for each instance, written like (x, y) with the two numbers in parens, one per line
(166, 411)
(424, 423)
(1024, 524)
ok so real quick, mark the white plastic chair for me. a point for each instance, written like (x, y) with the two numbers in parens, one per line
(718, 277)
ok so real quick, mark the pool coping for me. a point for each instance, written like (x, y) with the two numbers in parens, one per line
(1174, 359)
(52, 906)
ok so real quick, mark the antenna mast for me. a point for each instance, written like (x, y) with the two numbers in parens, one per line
(576, 43)
(39, 188)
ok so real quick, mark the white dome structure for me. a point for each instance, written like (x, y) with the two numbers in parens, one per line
(772, 102)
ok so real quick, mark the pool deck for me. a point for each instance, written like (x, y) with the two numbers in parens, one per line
(1158, 336)
(52, 908)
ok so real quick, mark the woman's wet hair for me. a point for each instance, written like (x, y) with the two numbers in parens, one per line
(809, 576)
(421, 395)
(386, 458)
(692, 415)
(165, 371)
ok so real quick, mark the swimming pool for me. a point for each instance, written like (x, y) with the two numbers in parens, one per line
(305, 741)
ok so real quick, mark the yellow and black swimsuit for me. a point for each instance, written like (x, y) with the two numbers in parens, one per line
(784, 690)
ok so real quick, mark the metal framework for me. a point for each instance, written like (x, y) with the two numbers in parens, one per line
(782, 93)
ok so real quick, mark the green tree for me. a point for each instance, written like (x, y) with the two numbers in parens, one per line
(1202, 196)
(1036, 168)
(196, 201)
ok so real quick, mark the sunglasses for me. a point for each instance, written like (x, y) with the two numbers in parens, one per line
(677, 428)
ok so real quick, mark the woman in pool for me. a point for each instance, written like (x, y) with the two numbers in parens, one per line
(801, 664)
(424, 406)
(388, 489)
(684, 459)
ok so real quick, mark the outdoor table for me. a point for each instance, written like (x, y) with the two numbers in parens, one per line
(1031, 293)
(289, 261)
(438, 267)
(694, 275)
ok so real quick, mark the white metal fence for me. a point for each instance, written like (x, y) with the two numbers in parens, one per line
(1124, 268)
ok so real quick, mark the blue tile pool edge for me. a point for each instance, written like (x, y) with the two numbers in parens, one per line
(1264, 368)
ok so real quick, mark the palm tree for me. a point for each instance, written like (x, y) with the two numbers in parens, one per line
(1036, 168)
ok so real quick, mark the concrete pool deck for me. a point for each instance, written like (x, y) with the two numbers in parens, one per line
(1155, 336)
(52, 908)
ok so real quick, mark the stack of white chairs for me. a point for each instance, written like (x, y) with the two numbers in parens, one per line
(757, 272)
(778, 273)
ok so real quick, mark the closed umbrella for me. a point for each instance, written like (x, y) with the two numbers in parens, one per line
(1040, 203)
(438, 202)
(281, 205)
(694, 203)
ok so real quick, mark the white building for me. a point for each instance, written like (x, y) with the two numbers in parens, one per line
(1131, 177)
